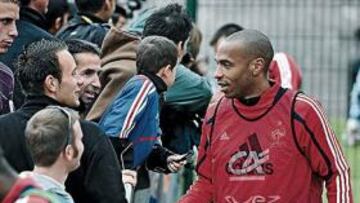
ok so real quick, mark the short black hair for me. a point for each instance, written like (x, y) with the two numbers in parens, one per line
(171, 22)
(119, 11)
(89, 6)
(38, 60)
(76, 46)
(225, 31)
(154, 53)
(56, 8)
(255, 43)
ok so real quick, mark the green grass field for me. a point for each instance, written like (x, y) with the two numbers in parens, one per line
(353, 157)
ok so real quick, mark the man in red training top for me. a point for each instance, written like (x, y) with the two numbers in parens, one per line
(262, 142)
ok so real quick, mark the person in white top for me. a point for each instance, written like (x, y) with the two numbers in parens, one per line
(54, 138)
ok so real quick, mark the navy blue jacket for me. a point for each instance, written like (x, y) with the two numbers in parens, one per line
(86, 27)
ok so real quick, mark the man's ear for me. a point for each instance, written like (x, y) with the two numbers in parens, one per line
(51, 84)
(69, 152)
(58, 23)
(180, 49)
(164, 71)
(167, 70)
(108, 5)
(257, 66)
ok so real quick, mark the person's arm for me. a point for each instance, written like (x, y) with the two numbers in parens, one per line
(163, 160)
(319, 145)
(121, 119)
(157, 160)
(202, 189)
(132, 116)
(190, 92)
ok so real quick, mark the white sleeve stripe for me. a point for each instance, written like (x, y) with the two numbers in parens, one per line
(331, 131)
(340, 162)
(138, 102)
(284, 69)
(140, 97)
(338, 152)
(334, 152)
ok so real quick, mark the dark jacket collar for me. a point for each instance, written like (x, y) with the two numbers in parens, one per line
(90, 18)
(33, 17)
(39, 102)
(160, 85)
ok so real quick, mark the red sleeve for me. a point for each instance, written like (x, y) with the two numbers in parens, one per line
(319, 145)
(202, 189)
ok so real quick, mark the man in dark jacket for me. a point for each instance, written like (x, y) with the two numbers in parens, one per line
(30, 28)
(90, 23)
(47, 73)
(9, 13)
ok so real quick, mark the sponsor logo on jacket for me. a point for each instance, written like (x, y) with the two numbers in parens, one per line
(250, 162)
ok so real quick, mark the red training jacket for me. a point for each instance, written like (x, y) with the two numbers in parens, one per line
(281, 149)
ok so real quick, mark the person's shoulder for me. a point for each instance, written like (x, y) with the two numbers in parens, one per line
(4, 68)
(219, 104)
(182, 70)
(9, 117)
(29, 30)
(306, 104)
(90, 126)
(138, 81)
(93, 134)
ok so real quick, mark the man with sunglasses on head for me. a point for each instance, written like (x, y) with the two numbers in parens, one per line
(48, 76)
(54, 138)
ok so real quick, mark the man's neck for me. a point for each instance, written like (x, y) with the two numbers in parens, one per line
(258, 89)
(56, 172)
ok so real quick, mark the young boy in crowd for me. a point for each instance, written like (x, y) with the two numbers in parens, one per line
(132, 119)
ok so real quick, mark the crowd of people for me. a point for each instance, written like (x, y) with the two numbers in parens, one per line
(92, 111)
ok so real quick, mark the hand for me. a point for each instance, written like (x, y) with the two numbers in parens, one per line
(129, 176)
(175, 163)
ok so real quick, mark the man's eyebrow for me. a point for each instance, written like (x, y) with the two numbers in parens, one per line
(7, 18)
(224, 61)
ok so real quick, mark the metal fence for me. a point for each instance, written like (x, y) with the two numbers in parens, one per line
(318, 33)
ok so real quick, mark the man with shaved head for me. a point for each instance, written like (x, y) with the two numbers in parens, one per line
(262, 142)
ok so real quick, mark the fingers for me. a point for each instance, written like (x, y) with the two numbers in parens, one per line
(129, 176)
(175, 163)
(176, 166)
(174, 157)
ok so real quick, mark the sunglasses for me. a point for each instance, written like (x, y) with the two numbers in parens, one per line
(68, 117)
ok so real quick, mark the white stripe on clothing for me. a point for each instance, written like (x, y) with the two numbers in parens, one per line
(137, 103)
(284, 69)
(343, 186)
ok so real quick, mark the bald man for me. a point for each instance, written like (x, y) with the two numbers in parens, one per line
(261, 142)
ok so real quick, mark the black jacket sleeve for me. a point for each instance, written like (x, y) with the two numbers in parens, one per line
(98, 179)
(157, 160)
